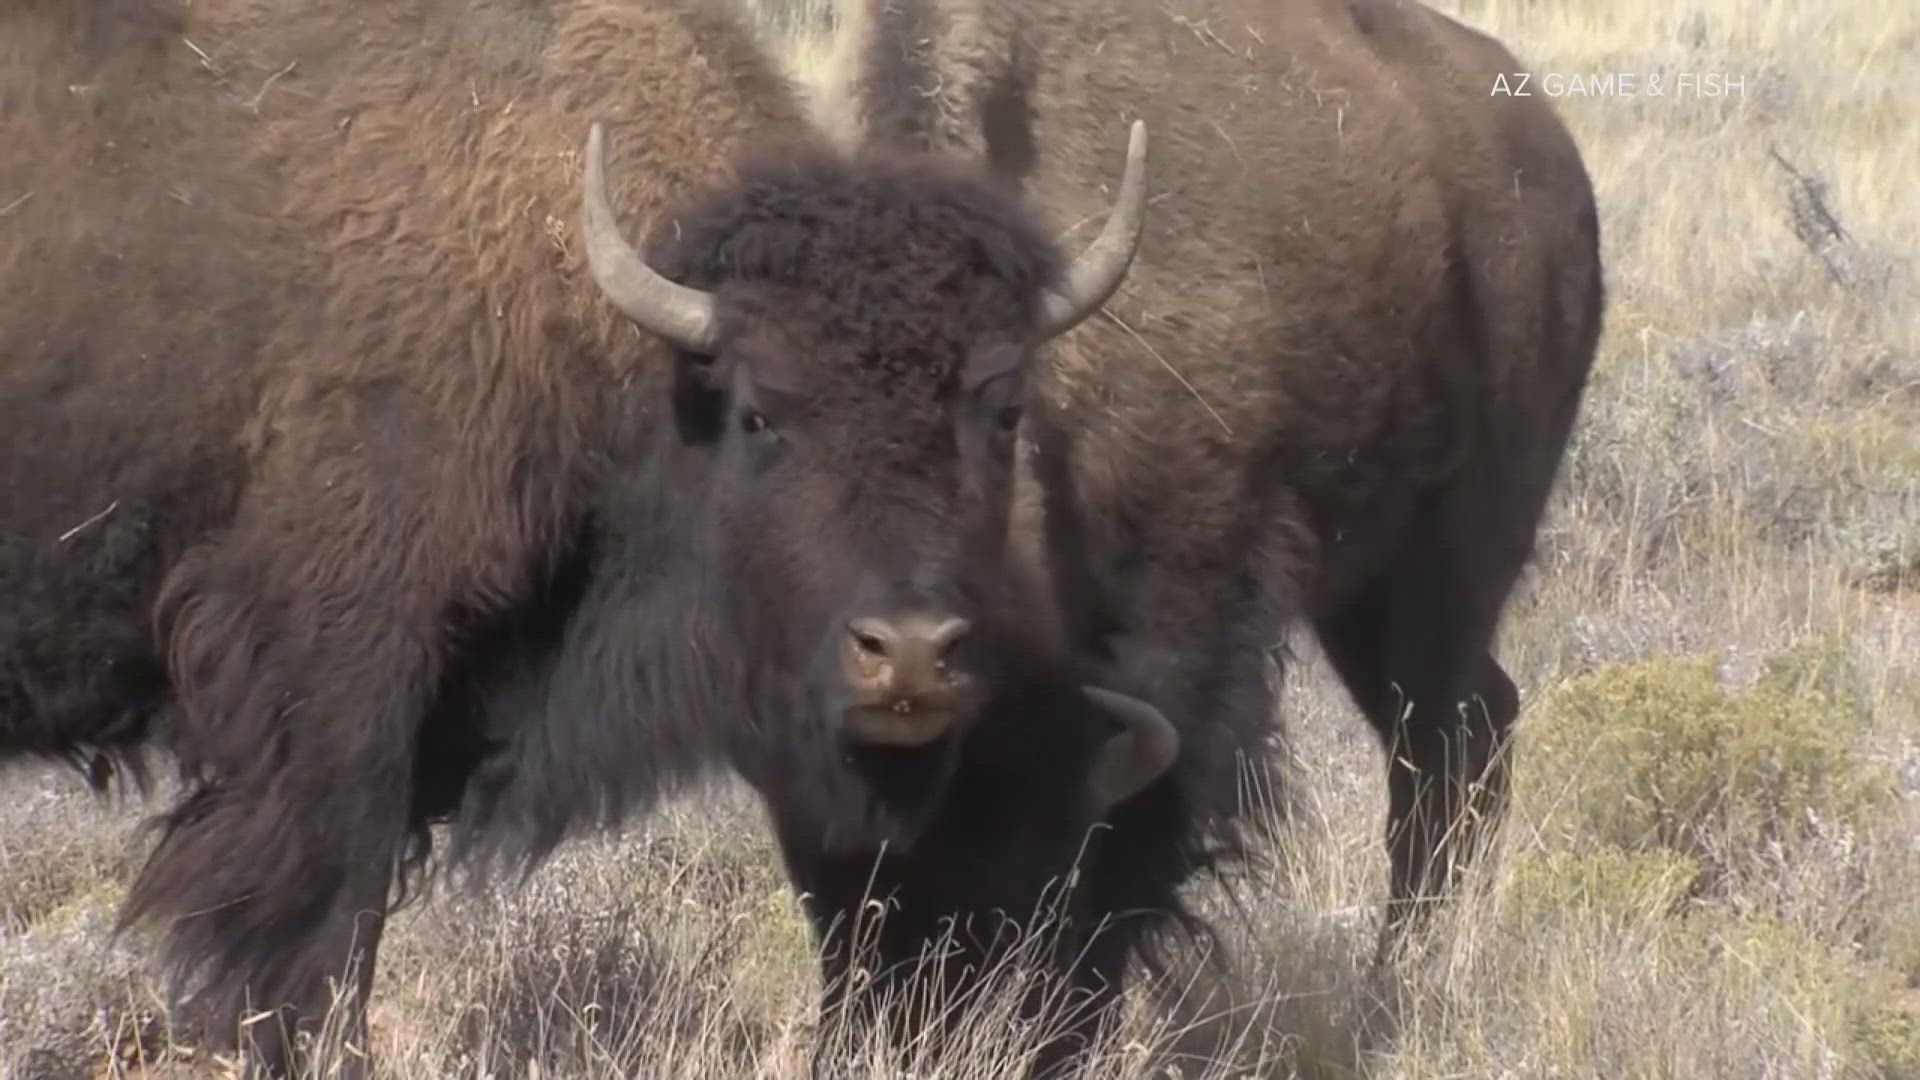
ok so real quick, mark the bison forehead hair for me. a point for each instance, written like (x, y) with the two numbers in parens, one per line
(891, 265)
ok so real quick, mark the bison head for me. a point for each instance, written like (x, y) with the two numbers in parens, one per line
(855, 335)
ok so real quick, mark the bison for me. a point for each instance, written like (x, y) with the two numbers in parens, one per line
(352, 464)
(1333, 392)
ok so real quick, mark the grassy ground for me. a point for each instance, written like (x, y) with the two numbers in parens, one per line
(1713, 866)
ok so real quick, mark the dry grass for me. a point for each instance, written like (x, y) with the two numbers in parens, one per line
(1712, 869)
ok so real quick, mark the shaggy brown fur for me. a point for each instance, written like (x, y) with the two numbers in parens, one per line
(1336, 387)
(292, 317)
(303, 360)
(942, 77)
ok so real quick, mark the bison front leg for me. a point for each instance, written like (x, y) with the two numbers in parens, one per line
(322, 1018)
(896, 984)
(271, 877)
(911, 966)
(875, 998)
(900, 982)
(307, 647)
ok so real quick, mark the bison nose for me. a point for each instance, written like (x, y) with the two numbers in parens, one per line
(905, 683)
(916, 639)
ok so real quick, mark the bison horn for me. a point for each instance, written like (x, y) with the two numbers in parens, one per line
(682, 315)
(1100, 269)
(1134, 758)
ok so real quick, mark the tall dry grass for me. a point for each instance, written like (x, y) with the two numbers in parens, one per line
(1712, 868)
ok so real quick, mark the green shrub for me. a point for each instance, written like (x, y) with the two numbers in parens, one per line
(1612, 883)
(1889, 1038)
(1871, 465)
(1660, 753)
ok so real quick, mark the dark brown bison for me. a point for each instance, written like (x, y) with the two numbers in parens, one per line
(333, 467)
(1335, 389)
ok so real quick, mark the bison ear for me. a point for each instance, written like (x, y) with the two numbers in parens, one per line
(1145, 747)
(699, 399)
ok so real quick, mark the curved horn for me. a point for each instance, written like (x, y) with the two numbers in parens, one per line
(1103, 266)
(681, 315)
(1138, 755)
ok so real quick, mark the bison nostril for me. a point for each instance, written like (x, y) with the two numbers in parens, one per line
(946, 638)
(871, 636)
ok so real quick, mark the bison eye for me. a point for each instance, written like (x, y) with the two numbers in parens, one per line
(1008, 418)
(752, 422)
